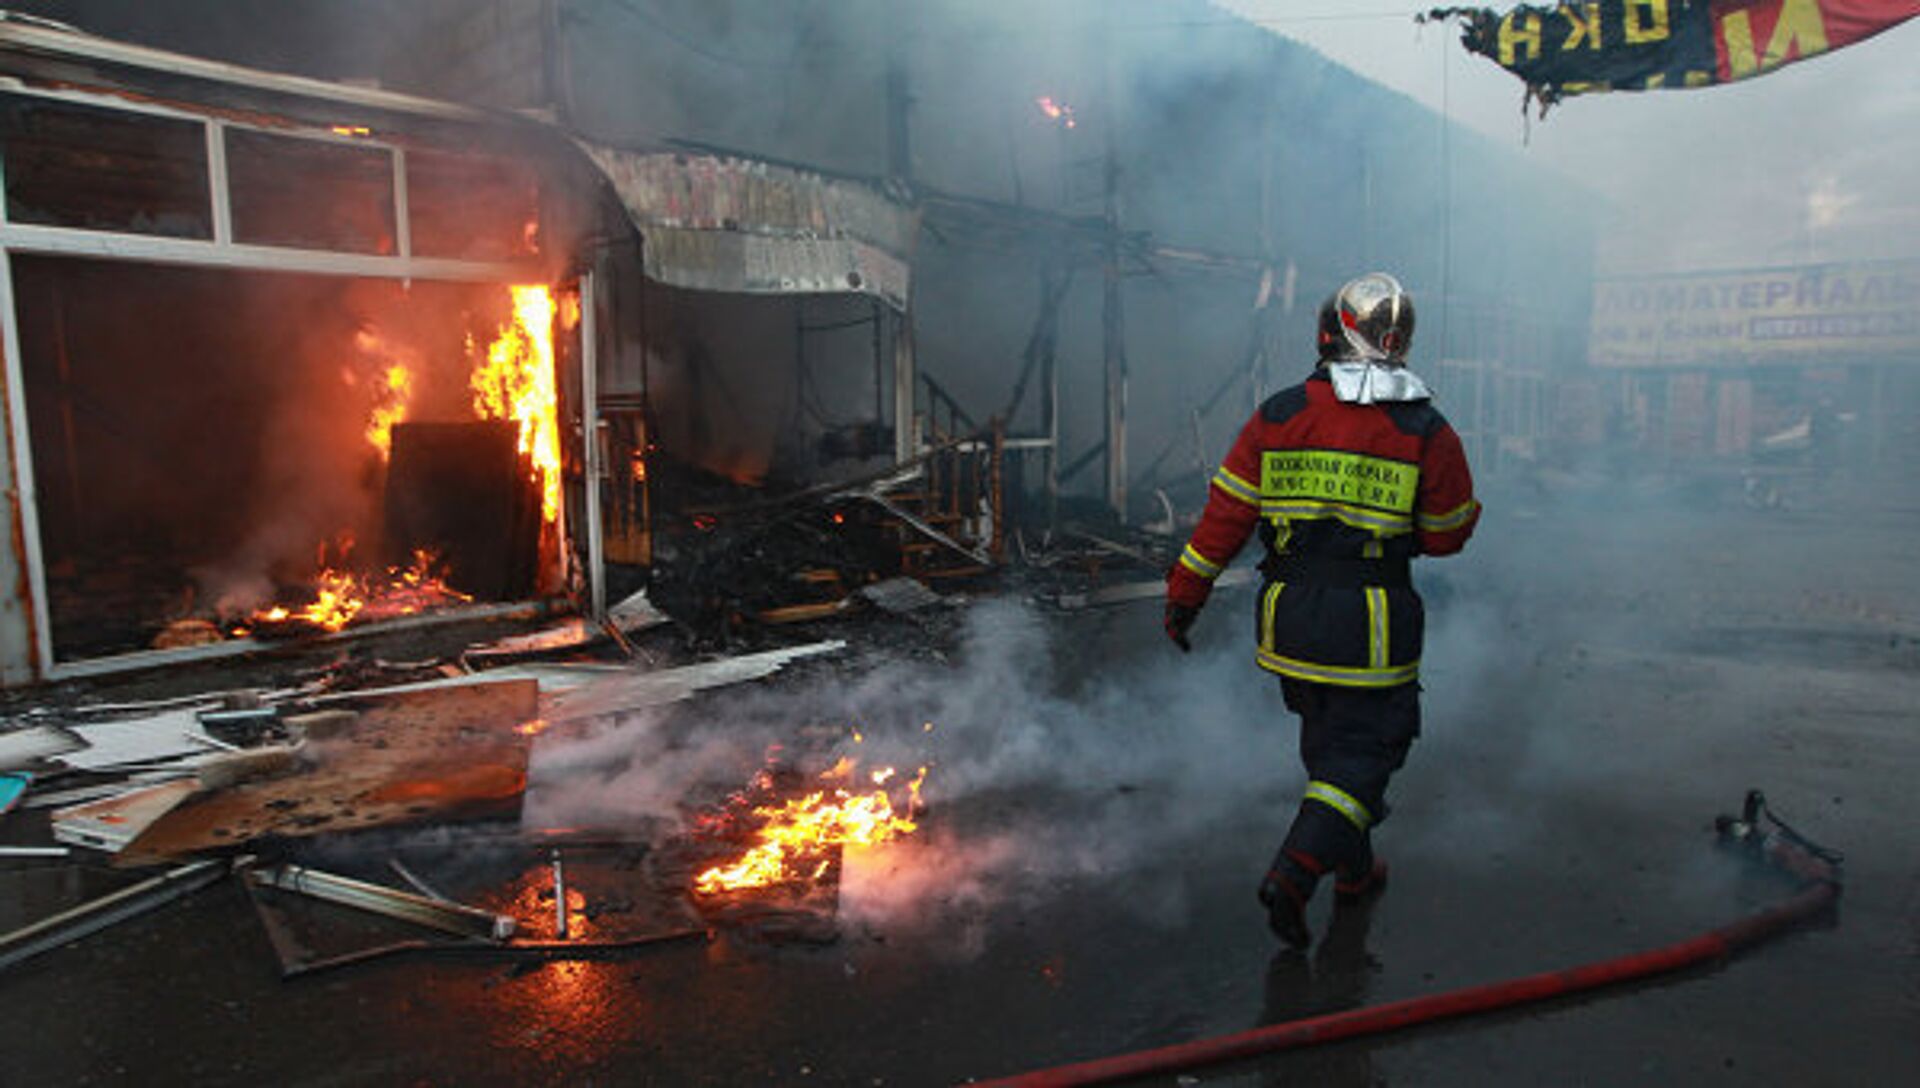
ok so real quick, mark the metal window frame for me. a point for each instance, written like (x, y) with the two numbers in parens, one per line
(590, 435)
(219, 252)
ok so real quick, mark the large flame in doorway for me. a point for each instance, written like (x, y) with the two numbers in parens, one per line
(516, 381)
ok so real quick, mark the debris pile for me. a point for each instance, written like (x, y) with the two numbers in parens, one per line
(383, 820)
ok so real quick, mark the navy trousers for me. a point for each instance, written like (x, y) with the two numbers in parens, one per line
(1352, 740)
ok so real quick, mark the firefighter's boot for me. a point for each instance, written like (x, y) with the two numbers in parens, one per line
(1285, 893)
(1350, 889)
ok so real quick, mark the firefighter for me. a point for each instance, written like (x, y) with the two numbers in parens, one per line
(1346, 477)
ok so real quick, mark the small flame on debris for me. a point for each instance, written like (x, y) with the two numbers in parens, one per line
(793, 839)
(340, 595)
(532, 728)
(1056, 110)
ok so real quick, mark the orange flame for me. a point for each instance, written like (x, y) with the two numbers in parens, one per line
(794, 838)
(1056, 110)
(341, 596)
(516, 382)
(339, 599)
(394, 395)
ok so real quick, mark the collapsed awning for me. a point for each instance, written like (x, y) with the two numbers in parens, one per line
(717, 223)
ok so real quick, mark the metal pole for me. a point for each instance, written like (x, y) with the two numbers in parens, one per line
(879, 362)
(92, 917)
(1113, 322)
(1050, 426)
(452, 918)
(905, 442)
(39, 628)
(590, 412)
(217, 180)
(559, 898)
(998, 547)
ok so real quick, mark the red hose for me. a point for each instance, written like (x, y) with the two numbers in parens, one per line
(1372, 1019)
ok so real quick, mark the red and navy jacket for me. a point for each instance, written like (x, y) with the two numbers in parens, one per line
(1343, 496)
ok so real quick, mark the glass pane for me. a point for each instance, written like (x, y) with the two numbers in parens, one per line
(101, 169)
(313, 194)
(471, 208)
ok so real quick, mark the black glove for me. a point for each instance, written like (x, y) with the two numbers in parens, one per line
(1178, 621)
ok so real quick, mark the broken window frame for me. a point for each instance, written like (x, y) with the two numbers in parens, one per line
(221, 251)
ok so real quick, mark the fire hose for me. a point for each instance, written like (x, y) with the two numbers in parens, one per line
(1756, 832)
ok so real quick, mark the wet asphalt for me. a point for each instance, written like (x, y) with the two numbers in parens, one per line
(1601, 682)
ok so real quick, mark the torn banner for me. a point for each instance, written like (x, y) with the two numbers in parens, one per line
(1634, 45)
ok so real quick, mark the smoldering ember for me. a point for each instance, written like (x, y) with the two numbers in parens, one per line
(866, 543)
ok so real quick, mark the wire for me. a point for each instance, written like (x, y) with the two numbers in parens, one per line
(1824, 853)
(1446, 185)
(654, 22)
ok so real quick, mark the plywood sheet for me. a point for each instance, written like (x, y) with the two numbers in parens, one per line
(434, 754)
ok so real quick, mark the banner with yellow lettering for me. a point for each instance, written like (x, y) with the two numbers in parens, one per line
(1635, 45)
(1845, 312)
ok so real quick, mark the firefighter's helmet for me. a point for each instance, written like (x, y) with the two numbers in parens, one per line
(1332, 341)
(1375, 316)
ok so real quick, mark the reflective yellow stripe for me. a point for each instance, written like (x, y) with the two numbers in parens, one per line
(1372, 550)
(1335, 674)
(1235, 487)
(1353, 479)
(1376, 627)
(1384, 524)
(1452, 519)
(1200, 564)
(1266, 614)
(1340, 801)
(1282, 533)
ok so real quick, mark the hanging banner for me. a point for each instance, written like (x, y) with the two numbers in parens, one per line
(1638, 45)
(1813, 313)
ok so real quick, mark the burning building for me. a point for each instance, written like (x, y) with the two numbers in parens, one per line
(1127, 211)
(288, 355)
(282, 355)
(1044, 259)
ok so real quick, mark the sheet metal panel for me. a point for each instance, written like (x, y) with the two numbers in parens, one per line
(724, 224)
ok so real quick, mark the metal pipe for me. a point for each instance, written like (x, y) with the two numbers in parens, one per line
(595, 466)
(418, 884)
(559, 898)
(34, 852)
(448, 917)
(520, 950)
(91, 917)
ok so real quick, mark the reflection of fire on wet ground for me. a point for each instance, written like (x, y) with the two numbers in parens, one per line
(615, 892)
